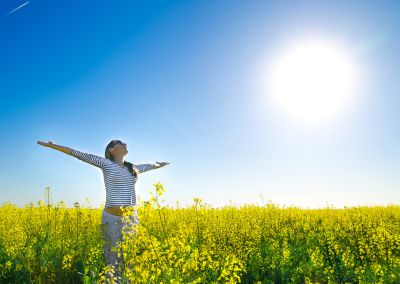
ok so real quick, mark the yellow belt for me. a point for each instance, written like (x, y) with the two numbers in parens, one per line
(116, 210)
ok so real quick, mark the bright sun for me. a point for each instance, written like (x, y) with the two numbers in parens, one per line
(312, 82)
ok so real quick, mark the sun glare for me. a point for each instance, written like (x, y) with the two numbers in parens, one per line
(312, 82)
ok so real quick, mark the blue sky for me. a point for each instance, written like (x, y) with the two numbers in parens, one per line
(181, 81)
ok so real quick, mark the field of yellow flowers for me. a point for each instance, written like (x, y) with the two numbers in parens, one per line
(49, 243)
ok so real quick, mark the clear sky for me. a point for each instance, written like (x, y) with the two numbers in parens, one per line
(182, 81)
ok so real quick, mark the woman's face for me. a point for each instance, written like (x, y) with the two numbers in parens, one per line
(119, 149)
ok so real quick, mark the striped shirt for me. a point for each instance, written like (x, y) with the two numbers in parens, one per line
(119, 182)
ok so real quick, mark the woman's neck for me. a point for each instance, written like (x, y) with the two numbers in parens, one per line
(119, 161)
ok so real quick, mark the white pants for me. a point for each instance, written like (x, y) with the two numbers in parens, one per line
(112, 227)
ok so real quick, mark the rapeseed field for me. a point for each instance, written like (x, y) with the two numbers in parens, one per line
(49, 243)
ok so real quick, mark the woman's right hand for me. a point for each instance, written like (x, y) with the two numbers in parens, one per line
(48, 144)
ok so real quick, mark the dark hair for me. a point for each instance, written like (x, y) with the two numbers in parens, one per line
(132, 169)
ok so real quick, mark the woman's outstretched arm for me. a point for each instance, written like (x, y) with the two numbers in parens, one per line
(51, 145)
(147, 167)
(85, 157)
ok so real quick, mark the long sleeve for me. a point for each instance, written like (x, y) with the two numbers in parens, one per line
(145, 167)
(90, 158)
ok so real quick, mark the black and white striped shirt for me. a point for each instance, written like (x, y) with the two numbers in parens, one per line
(119, 182)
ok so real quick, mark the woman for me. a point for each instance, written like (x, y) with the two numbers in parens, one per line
(119, 177)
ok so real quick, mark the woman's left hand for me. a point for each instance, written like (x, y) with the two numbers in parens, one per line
(162, 164)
